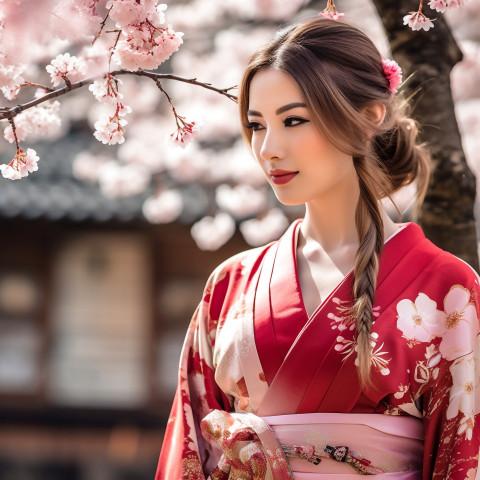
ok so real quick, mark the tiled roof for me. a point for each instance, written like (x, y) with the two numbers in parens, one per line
(54, 193)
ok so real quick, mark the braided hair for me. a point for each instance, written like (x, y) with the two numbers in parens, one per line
(339, 71)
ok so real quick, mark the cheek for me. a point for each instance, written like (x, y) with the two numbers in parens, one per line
(256, 147)
(310, 143)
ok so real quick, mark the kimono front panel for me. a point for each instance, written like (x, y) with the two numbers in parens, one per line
(242, 354)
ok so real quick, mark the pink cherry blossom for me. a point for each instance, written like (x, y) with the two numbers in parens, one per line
(117, 180)
(21, 165)
(106, 89)
(10, 171)
(128, 12)
(210, 233)
(97, 56)
(86, 166)
(393, 72)
(142, 150)
(455, 3)
(241, 200)
(420, 320)
(185, 133)
(109, 130)
(188, 164)
(21, 129)
(123, 110)
(40, 122)
(464, 78)
(135, 52)
(140, 36)
(65, 67)
(460, 324)
(10, 75)
(417, 21)
(157, 17)
(11, 93)
(270, 227)
(75, 20)
(164, 207)
(438, 5)
(169, 42)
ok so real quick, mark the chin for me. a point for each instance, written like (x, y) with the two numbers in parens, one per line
(290, 200)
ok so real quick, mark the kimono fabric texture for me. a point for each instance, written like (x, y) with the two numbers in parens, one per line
(266, 392)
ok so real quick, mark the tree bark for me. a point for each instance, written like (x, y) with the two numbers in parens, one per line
(447, 214)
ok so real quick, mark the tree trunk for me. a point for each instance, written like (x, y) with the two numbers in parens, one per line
(447, 213)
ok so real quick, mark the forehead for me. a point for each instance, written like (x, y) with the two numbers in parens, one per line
(271, 88)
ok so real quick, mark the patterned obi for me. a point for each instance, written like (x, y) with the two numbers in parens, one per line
(391, 444)
(316, 446)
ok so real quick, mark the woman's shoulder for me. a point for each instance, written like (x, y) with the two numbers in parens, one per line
(229, 280)
(453, 268)
(241, 262)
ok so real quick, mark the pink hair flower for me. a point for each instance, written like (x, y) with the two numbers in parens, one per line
(333, 16)
(393, 72)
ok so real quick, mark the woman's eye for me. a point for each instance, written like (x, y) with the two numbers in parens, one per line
(253, 126)
(294, 121)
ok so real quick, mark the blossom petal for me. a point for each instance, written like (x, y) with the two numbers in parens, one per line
(406, 308)
(457, 341)
(456, 299)
(453, 407)
(425, 304)
(470, 315)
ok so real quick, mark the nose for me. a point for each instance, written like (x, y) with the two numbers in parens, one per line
(272, 146)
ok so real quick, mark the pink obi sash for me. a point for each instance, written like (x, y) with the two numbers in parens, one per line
(316, 446)
(393, 444)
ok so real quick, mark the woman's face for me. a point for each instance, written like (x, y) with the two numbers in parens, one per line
(300, 164)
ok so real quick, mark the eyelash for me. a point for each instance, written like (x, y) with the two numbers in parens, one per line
(255, 126)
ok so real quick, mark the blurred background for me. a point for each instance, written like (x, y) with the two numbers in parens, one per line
(97, 289)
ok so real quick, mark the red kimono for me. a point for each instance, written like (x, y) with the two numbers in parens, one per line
(251, 348)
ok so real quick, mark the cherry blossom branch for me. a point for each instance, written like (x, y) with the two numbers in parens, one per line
(11, 112)
(192, 81)
(160, 87)
(33, 84)
(102, 26)
(14, 130)
(185, 130)
(112, 49)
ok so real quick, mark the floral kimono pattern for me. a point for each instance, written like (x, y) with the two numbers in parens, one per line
(252, 348)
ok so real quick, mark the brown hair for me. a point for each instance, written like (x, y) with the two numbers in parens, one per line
(339, 71)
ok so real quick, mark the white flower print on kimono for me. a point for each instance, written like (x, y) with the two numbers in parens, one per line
(420, 320)
(462, 394)
(460, 320)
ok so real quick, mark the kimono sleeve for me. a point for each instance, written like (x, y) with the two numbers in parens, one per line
(185, 454)
(452, 403)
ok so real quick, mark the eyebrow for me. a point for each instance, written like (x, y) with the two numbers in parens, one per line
(279, 110)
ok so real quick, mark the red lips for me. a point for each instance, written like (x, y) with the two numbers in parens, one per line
(281, 177)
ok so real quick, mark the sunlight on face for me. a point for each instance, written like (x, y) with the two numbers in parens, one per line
(300, 164)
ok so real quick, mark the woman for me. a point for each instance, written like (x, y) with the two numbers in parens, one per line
(350, 346)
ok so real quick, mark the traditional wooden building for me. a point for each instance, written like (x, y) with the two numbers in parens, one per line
(94, 304)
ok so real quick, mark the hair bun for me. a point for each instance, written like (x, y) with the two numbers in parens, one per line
(404, 159)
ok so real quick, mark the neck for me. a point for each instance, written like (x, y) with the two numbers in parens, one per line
(331, 221)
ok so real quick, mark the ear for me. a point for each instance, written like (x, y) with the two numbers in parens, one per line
(376, 112)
